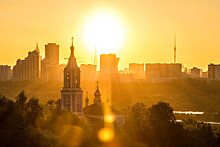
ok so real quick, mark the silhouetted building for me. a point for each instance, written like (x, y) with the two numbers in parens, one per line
(52, 53)
(108, 68)
(50, 64)
(196, 72)
(5, 72)
(152, 71)
(158, 70)
(99, 110)
(175, 70)
(126, 77)
(71, 94)
(205, 74)
(29, 68)
(61, 73)
(137, 70)
(214, 71)
(108, 63)
(88, 72)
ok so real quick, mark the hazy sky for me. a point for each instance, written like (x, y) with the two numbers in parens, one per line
(149, 27)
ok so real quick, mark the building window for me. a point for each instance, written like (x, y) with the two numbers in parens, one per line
(68, 80)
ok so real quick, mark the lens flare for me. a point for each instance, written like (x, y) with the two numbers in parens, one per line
(109, 118)
(106, 134)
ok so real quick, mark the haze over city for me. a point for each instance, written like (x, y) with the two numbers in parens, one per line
(95, 73)
(142, 32)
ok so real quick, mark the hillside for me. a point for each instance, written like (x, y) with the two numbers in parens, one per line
(187, 94)
(43, 91)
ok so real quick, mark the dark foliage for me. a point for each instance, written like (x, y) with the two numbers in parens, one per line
(156, 126)
(26, 122)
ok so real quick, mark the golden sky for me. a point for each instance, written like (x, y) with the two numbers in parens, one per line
(149, 27)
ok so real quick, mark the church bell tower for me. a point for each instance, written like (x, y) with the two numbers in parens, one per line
(71, 94)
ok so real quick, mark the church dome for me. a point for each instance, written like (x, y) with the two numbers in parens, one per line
(97, 92)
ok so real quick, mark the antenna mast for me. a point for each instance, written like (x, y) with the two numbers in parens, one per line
(95, 57)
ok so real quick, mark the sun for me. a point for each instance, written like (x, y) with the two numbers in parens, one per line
(104, 31)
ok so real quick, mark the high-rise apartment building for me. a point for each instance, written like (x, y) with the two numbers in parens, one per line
(5, 72)
(109, 63)
(196, 72)
(214, 71)
(152, 71)
(52, 53)
(29, 68)
(88, 72)
(175, 70)
(205, 74)
(50, 64)
(108, 68)
(158, 70)
(137, 70)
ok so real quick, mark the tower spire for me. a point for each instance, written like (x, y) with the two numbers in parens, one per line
(87, 99)
(97, 82)
(72, 48)
(175, 48)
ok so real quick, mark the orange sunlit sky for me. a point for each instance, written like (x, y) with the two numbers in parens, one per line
(139, 31)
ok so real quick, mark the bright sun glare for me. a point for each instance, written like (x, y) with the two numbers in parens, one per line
(105, 31)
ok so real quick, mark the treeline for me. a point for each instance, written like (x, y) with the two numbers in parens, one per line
(157, 126)
(26, 122)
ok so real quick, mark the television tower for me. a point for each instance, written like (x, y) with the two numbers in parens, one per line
(95, 57)
(175, 49)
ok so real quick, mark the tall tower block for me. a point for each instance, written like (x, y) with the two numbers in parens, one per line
(71, 94)
(175, 49)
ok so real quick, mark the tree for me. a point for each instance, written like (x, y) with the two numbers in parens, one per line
(33, 110)
(137, 124)
(154, 126)
(20, 101)
(160, 113)
(13, 126)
